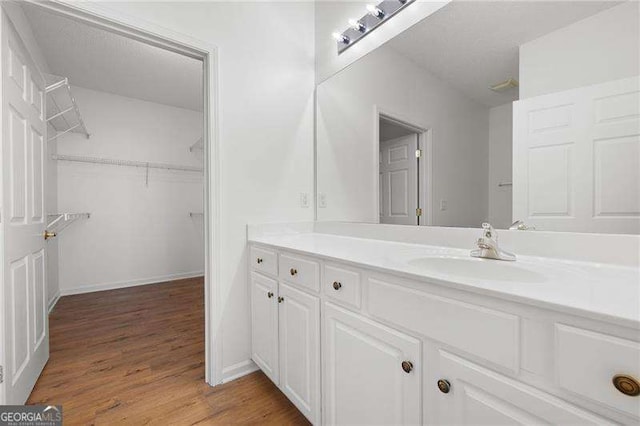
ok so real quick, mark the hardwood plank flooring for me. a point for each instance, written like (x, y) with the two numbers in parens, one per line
(136, 356)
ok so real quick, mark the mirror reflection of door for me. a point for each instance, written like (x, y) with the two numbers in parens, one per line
(399, 174)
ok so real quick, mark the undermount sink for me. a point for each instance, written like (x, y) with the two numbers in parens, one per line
(483, 269)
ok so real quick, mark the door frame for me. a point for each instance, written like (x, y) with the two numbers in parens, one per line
(106, 19)
(425, 167)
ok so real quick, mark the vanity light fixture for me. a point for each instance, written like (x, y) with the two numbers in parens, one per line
(341, 38)
(375, 11)
(376, 16)
(357, 25)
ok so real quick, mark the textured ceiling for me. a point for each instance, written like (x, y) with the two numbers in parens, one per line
(99, 60)
(474, 44)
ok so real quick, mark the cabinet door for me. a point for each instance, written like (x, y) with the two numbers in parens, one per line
(264, 324)
(300, 350)
(364, 377)
(479, 396)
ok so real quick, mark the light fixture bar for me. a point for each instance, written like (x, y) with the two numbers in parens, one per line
(377, 14)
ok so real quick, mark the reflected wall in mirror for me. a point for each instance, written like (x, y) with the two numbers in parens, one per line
(490, 111)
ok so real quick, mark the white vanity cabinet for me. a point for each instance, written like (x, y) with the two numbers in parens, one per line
(349, 344)
(372, 374)
(285, 320)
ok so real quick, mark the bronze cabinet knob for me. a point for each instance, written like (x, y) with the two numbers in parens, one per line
(259, 260)
(270, 295)
(280, 299)
(49, 234)
(407, 366)
(626, 384)
(337, 285)
(293, 271)
(444, 386)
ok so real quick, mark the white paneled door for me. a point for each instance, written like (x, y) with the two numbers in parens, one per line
(25, 323)
(399, 181)
(576, 159)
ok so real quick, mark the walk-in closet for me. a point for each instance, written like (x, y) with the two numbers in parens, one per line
(124, 157)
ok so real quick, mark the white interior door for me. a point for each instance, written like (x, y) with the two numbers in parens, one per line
(576, 159)
(26, 326)
(399, 180)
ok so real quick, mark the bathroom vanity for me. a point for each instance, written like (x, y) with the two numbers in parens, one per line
(364, 331)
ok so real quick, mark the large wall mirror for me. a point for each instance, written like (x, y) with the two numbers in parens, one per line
(490, 111)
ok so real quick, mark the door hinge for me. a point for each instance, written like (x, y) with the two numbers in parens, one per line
(1, 374)
(418, 153)
(418, 212)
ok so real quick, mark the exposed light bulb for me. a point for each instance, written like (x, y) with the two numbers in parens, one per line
(375, 11)
(341, 38)
(357, 25)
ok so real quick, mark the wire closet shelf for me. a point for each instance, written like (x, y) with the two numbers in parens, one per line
(59, 221)
(128, 163)
(65, 115)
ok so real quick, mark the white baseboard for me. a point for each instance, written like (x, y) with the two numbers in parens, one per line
(128, 283)
(238, 370)
(54, 300)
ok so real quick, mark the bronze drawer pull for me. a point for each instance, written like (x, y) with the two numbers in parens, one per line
(444, 386)
(293, 271)
(280, 299)
(626, 384)
(270, 295)
(337, 285)
(259, 260)
(407, 366)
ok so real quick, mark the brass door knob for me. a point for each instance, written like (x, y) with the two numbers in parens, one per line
(259, 260)
(293, 271)
(49, 234)
(280, 299)
(337, 285)
(626, 384)
(444, 386)
(407, 366)
(270, 295)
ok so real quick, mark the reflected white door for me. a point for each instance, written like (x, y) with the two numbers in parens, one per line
(399, 181)
(26, 326)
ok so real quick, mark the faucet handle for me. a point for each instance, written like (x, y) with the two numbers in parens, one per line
(489, 232)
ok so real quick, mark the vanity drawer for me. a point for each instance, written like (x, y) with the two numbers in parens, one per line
(264, 260)
(486, 333)
(587, 362)
(342, 284)
(299, 270)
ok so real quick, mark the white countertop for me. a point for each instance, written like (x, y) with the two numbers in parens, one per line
(600, 291)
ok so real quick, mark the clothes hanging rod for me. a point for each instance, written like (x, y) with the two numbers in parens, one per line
(63, 82)
(129, 163)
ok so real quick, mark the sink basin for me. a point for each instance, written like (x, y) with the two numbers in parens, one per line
(474, 268)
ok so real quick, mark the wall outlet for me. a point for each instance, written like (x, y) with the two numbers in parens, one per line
(443, 205)
(322, 200)
(304, 199)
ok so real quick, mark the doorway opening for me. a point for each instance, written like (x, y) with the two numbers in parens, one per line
(404, 167)
(126, 174)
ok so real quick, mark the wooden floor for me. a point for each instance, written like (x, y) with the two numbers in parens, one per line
(136, 356)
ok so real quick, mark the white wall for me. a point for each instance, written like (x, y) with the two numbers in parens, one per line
(136, 233)
(346, 146)
(603, 47)
(500, 169)
(266, 128)
(333, 16)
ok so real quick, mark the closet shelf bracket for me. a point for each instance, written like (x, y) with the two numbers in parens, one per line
(58, 93)
(59, 221)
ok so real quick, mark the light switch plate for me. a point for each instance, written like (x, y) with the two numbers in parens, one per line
(304, 199)
(322, 200)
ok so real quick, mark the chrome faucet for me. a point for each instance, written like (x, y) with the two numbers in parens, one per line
(488, 246)
(519, 225)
